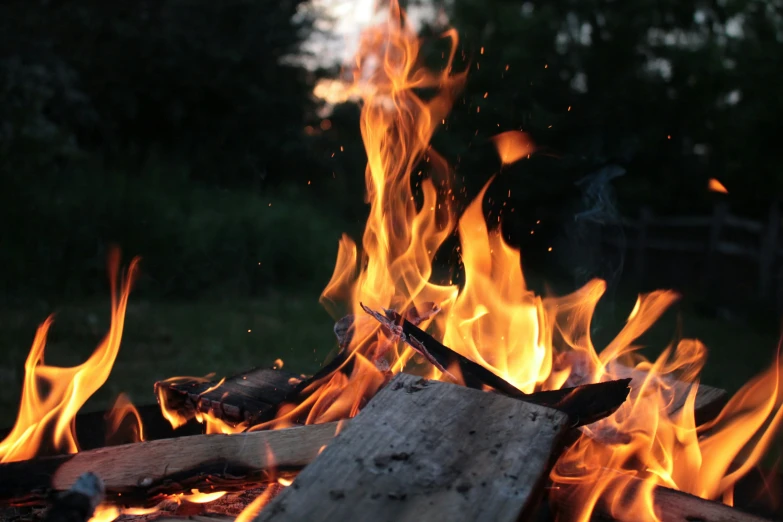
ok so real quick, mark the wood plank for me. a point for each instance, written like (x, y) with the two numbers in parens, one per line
(428, 450)
(140, 473)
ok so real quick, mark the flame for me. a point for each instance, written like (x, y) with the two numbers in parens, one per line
(122, 409)
(47, 417)
(512, 146)
(713, 185)
(533, 342)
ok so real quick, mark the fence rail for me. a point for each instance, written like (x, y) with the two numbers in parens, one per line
(764, 236)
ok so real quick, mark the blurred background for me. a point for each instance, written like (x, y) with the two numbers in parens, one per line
(205, 137)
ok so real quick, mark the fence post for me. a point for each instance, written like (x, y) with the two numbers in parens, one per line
(769, 250)
(640, 261)
(719, 212)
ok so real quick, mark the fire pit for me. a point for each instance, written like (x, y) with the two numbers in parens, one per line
(478, 401)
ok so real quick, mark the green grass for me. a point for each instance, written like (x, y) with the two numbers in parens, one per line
(168, 339)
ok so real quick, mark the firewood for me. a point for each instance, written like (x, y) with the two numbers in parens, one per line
(584, 404)
(79, 502)
(429, 450)
(250, 397)
(670, 506)
(140, 473)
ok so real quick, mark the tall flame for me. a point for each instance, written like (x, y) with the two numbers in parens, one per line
(533, 342)
(52, 396)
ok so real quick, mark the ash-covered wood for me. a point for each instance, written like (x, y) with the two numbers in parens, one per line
(583, 404)
(79, 502)
(428, 450)
(141, 473)
(250, 397)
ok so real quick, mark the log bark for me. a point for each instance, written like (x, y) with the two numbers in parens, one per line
(429, 450)
(139, 474)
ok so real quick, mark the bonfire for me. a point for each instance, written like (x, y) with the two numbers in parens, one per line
(616, 434)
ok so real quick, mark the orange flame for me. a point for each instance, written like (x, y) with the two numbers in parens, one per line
(48, 418)
(534, 343)
(714, 185)
(122, 409)
(512, 146)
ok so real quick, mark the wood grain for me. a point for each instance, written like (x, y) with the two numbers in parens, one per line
(428, 450)
(140, 473)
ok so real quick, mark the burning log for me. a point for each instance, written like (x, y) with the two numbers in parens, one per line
(141, 473)
(426, 450)
(670, 506)
(250, 397)
(708, 403)
(584, 404)
(78, 503)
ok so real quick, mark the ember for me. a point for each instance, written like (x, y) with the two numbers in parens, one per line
(418, 448)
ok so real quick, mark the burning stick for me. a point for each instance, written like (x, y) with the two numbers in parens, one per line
(584, 404)
(142, 473)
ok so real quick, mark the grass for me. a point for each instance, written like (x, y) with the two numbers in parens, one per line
(164, 339)
(167, 339)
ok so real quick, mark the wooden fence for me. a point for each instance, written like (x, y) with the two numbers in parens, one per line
(711, 237)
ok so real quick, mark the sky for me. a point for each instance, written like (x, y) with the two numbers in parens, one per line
(344, 21)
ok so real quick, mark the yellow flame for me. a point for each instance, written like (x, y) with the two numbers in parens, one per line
(51, 414)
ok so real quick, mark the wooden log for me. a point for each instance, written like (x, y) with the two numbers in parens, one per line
(250, 397)
(669, 505)
(428, 450)
(583, 404)
(139, 474)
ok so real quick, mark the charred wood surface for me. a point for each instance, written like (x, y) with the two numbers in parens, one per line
(428, 450)
(140, 473)
(250, 397)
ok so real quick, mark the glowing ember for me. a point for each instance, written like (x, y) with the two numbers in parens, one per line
(716, 186)
(512, 146)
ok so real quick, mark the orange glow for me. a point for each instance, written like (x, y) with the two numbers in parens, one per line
(512, 146)
(47, 419)
(716, 186)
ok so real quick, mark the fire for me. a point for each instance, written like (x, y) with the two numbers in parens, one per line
(533, 342)
(52, 396)
(122, 409)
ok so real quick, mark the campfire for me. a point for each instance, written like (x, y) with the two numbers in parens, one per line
(472, 400)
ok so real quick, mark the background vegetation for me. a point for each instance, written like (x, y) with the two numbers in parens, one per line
(186, 132)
